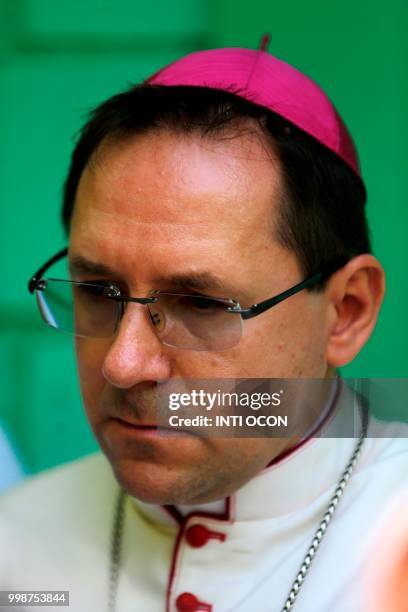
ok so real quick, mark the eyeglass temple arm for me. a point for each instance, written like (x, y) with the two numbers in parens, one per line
(33, 282)
(311, 281)
(257, 309)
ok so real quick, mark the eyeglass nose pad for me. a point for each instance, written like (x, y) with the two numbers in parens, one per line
(157, 317)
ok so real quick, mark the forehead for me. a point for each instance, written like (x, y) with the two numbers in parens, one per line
(162, 194)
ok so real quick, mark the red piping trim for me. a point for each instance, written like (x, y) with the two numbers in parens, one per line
(174, 513)
(183, 521)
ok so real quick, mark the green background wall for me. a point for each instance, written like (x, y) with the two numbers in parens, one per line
(58, 59)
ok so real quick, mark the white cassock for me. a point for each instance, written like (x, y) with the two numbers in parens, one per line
(240, 554)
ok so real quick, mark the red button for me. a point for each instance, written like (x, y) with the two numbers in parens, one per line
(187, 602)
(198, 535)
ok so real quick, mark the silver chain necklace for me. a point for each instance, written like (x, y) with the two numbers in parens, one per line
(327, 517)
(117, 531)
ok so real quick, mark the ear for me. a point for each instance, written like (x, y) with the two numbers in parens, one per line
(354, 295)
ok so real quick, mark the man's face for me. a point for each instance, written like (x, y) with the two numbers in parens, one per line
(162, 205)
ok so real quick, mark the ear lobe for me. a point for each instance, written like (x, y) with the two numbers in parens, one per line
(355, 294)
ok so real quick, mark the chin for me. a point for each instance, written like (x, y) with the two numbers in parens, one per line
(148, 483)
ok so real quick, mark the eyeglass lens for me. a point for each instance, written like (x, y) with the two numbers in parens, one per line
(183, 321)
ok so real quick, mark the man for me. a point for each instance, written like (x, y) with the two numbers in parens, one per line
(223, 181)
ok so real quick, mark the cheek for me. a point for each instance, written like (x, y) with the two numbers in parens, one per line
(90, 356)
(288, 341)
(269, 348)
(232, 363)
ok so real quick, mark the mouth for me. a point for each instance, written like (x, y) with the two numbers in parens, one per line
(134, 424)
(147, 430)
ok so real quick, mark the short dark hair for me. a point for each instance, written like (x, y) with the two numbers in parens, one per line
(322, 214)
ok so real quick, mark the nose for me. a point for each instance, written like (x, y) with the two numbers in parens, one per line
(136, 354)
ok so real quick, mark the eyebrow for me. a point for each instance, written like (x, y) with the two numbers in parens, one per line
(78, 264)
(200, 281)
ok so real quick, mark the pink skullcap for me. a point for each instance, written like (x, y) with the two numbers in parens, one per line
(260, 78)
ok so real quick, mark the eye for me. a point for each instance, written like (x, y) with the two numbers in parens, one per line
(201, 304)
(98, 289)
(205, 304)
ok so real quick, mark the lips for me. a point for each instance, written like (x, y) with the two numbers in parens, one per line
(147, 431)
(139, 425)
